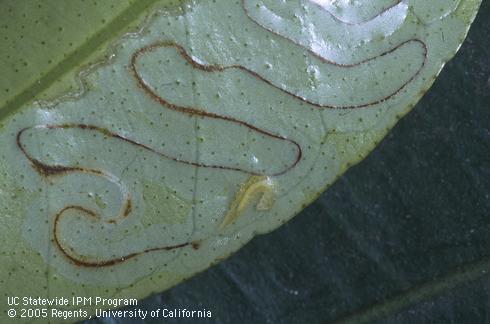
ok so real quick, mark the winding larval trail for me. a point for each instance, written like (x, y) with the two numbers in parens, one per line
(51, 170)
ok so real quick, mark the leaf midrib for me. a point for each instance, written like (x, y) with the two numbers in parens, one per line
(113, 29)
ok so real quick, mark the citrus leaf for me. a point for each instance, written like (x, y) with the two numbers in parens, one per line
(214, 123)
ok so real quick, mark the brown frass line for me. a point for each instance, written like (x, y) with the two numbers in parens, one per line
(55, 170)
(52, 170)
(219, 68)
(46, 169)
(81, 261)
(330, 62)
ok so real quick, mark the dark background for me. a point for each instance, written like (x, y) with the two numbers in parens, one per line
(404, 237)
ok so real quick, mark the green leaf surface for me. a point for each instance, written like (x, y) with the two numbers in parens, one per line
(218, 121)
